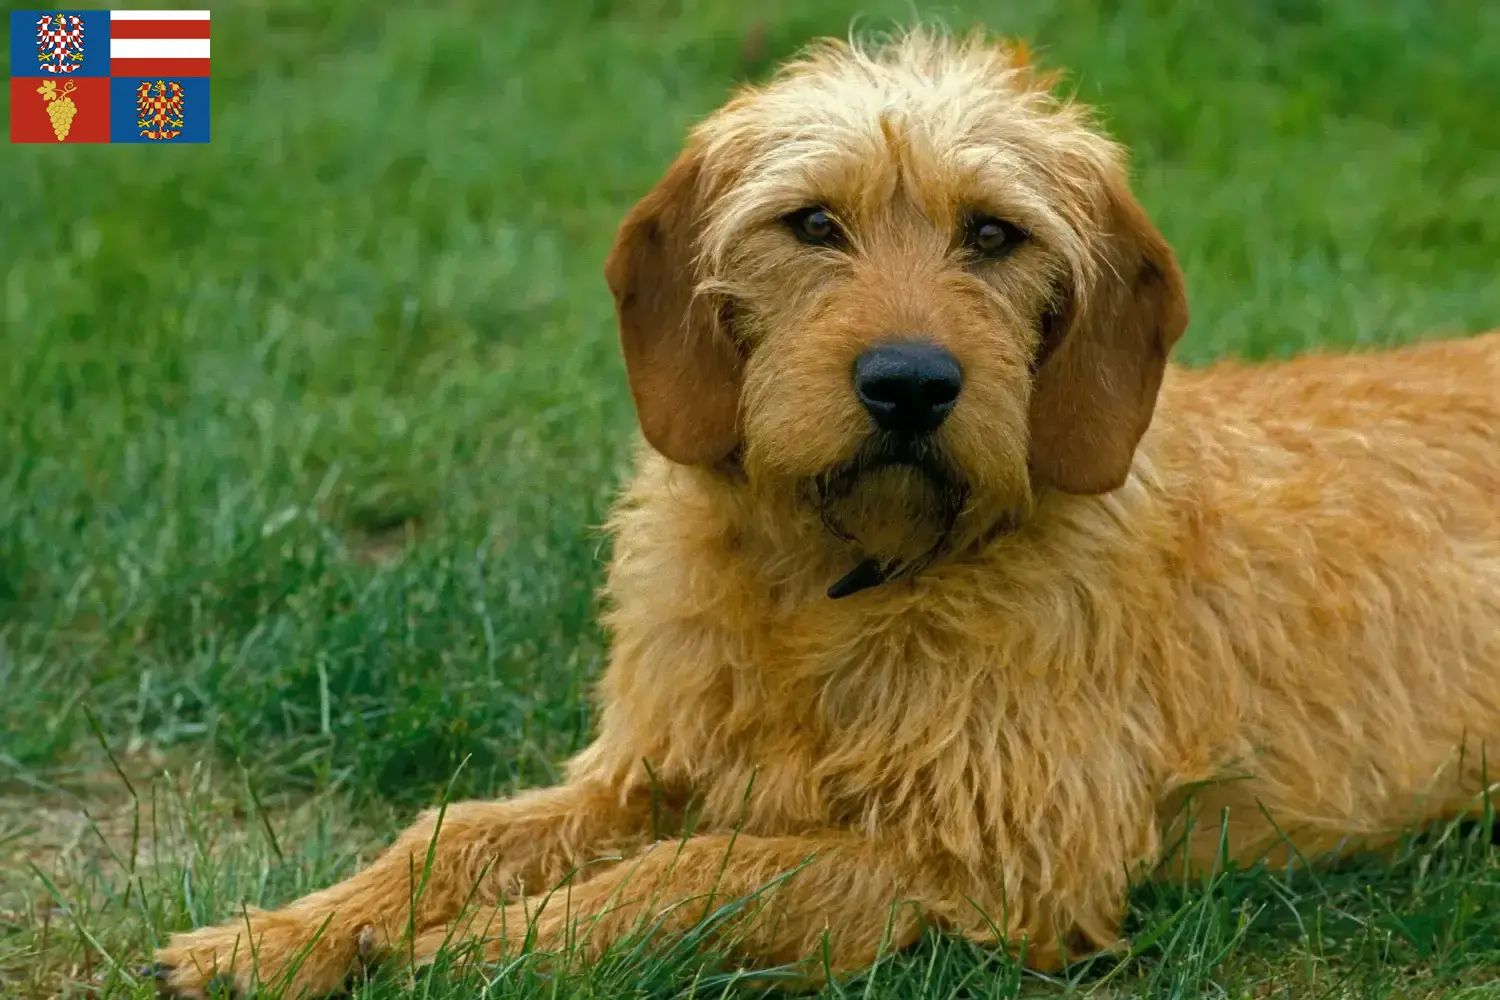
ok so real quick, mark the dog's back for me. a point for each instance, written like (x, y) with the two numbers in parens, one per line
(1413, 433)
(1353, 563)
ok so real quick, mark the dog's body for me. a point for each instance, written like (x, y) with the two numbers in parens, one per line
(1276, 619)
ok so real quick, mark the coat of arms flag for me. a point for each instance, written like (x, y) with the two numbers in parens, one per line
(109, 76)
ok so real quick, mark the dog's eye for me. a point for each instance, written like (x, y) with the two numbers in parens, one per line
(993, 237)
(814, 225)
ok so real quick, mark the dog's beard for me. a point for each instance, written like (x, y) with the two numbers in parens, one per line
(896, 502)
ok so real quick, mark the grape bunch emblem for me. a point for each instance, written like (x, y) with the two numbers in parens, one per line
(60, 107)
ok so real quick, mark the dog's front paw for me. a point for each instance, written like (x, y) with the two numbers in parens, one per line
(294, 954)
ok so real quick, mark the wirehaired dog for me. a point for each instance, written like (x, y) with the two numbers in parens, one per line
(938, 595)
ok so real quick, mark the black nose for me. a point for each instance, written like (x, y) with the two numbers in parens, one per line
(908, 387)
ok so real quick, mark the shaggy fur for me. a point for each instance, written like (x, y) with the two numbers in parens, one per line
(1271, 612)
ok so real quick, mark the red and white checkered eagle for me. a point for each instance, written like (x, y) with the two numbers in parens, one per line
(59, 42)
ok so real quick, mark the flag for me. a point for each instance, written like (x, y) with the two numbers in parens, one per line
(139, 76)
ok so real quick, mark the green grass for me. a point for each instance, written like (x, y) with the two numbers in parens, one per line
(305, 436)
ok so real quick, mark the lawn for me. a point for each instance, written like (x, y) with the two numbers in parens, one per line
(306, 435)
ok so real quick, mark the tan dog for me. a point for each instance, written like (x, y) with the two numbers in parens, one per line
(895, 327)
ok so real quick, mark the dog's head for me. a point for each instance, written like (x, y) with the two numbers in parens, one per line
(907, 282)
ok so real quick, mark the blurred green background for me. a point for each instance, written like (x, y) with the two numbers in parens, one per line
(305, 434)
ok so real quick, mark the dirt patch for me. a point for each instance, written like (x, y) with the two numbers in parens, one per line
(94, 874)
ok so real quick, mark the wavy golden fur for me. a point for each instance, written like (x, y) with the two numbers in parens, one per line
(1275, 605)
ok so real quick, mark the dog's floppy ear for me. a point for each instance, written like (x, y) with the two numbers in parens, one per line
(1103, 354)
(684, 373)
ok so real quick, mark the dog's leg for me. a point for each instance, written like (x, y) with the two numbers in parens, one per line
(837, 897)
(480, 851)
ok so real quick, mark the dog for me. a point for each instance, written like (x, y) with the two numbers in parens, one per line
(938, 596)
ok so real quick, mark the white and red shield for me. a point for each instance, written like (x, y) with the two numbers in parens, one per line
(59, 42)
